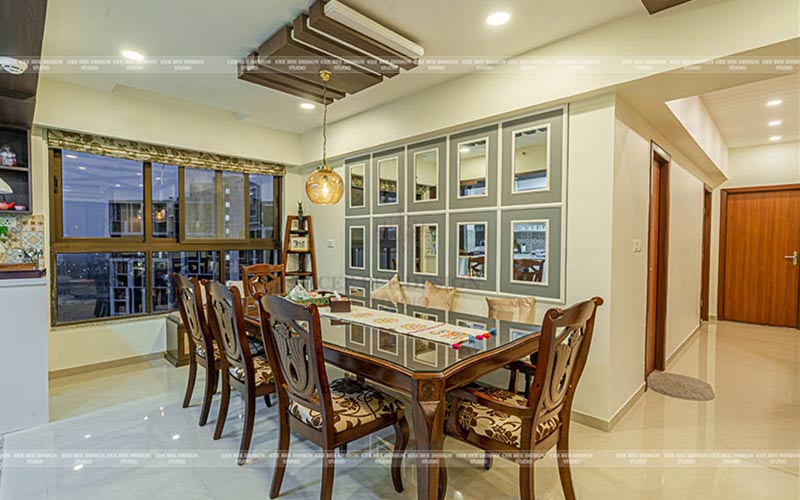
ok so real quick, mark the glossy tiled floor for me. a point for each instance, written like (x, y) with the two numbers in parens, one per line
(122, 434)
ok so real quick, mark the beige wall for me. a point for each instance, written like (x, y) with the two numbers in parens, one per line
(753, 166)
(695, 118)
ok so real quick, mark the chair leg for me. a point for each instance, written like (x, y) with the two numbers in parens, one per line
(442, 479)
(528, 380)
(564, 472)
(267, 400)
(247, 433)
(526, 491)
(487, 460)
(343, 449)
(400, 443)
(284, 438)
(223, 405)
(326, 492)
(190, 383)
(211, 384)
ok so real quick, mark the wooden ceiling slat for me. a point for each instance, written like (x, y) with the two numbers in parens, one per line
(253, 73)
(320, 22)
(286, 55)
(654, 6)
(306, 35)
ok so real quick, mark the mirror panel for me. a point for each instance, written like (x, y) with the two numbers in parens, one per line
(387, 181)
(357, 247)
(529, 251)
(472, 168)
(471, 250)
(387, 248)
(357, 178)
(531, 159)
(426, 249)
(426, 175)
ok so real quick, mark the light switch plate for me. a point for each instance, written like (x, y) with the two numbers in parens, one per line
(330, 243)
(637, 246)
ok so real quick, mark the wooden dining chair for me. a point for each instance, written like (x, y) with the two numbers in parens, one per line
(250, 375)
(201, 341)
(330, 415)
(524, 429)
(264, 279)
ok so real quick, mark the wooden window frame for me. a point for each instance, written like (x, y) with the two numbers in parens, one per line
(147, 243)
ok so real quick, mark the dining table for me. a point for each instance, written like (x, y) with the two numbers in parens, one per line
(423, 370)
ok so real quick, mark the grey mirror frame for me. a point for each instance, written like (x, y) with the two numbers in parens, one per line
(440, 145)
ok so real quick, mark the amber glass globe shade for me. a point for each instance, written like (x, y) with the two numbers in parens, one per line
(324, 186)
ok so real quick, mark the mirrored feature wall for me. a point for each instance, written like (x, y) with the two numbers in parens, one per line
(480, 209)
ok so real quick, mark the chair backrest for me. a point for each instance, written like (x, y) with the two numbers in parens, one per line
(563, 348)
(264, 279)
(476, 264)
(190, 305)
(528, 270)
(293, 339)
(227, 321)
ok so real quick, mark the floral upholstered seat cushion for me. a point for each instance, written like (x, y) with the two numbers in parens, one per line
(262, 369)
(498, 425)
(353, 404)
(201, 350)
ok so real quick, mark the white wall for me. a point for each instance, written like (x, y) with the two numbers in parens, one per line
(695, 118)
(753, 166)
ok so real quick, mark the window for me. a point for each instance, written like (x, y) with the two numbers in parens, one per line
(101, 197)
(118, 239)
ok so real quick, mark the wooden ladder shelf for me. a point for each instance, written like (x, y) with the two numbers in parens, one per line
(296, 230)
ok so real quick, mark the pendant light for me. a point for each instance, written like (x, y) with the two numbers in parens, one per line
(324, 186)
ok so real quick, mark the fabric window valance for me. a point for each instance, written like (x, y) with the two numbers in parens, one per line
(132, 150)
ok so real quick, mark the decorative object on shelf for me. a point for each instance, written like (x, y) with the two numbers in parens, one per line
(22, 239)
(324, 186)
(8, 158)
(298, 243)
(4, 190)
(300, 214)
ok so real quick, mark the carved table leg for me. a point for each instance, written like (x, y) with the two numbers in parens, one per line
(428, 404)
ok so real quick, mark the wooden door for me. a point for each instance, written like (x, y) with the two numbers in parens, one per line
(657, 261)
(706, 268)
(759, 241)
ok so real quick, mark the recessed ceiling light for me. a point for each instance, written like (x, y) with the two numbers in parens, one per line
(132, 55)
(81, 168)
(464, 149)
(117, 185)
(72, 157)
(176, 437)
(78, 467)
(775, 138)
(307, 105)
(774, 102)
(775, 123)
(498, 18)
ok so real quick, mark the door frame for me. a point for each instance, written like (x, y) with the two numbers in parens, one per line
(723, 232)
(706, 265)
(657, 260)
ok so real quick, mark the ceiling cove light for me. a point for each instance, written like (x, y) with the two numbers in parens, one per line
(775, 138)
(132, 55)
(307, 105)
(774, 102)
(775, 123)
(498, 18)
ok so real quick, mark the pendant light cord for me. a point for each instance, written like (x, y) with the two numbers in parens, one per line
(325, 75)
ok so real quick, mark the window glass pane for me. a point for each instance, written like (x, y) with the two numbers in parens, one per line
(262, 206)
(425, 249)
(102, 196)
(200, 265)
(530, 251)
(472, 250)
(357, 247)
(530, 159)
(99, 285)
(234, 259)
(233, 205)
(472, 160)
(387, 248)
(165, 201)
(201, 203)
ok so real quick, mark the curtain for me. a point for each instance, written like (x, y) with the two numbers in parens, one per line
(132, 150)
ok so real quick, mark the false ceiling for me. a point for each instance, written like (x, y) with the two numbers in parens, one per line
(207, 36)
(743, 115)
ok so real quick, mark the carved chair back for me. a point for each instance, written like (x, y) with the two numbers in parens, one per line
(292, 337)
(264, 279)
(227, 321)
(530, 270)
(192, 310)
(563, 348)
